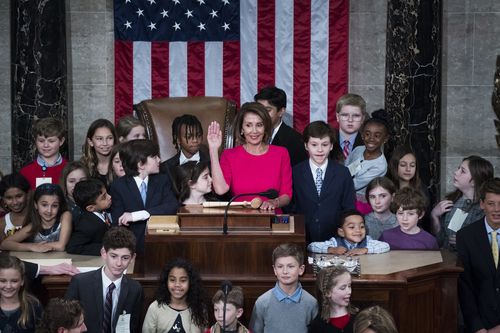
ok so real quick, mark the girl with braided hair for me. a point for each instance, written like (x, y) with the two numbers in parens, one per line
(336, 314)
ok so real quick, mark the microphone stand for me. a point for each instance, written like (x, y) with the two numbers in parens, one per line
(226, 287)
(267, 194)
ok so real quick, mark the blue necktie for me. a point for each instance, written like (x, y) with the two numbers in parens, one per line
(319, 180)
(144, 191)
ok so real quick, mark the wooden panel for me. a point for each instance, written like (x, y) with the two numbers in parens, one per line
(238, 252)
(422, 299)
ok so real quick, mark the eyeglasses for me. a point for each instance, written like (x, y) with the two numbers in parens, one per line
(353, 117)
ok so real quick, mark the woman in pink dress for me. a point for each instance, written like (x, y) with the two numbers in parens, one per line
(253, 165)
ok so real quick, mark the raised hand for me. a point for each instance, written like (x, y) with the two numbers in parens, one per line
(214, 135)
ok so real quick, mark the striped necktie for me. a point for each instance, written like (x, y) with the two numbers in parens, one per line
(108, 309)
(345, 151)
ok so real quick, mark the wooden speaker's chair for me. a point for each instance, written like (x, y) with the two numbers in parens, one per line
(157, 116)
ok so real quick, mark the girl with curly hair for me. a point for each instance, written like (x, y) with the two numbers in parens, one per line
(181, 303)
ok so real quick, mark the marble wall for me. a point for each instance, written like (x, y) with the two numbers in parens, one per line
(471, 41)
(5, 105)
(90, 63)
(367, 37)
(39, 78)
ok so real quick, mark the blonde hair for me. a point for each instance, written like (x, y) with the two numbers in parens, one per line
(353, 100)
(26, 300)
(375, 318)
(327, 279)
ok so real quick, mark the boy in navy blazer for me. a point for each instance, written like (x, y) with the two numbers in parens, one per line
(322, 188)
(109, 288)
(89, 229)
(142, 192)
(479, 283)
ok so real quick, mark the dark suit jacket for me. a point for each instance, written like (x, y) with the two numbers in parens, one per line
(125, 195)
(479, 283)
(292, 140)
(336, 153)
(30, 270)
(322, 213)
(87, 234)
(87, 288)
(168, 167)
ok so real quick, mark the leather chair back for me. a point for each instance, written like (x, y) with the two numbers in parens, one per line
(158, 115)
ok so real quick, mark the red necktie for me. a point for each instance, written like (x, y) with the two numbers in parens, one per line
(345, 151)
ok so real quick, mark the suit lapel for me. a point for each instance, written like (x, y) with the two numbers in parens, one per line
(309, 182)
(124, 288)
(277, 138)
(98, 294)
(134, 190)
(484, 246)
(329, 176)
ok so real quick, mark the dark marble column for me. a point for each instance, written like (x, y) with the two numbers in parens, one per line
(39, 74)
(413, 81)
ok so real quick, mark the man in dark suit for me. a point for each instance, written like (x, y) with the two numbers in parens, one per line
(142, 192)
(106, 294)
(274, 99)
(479, 283)
(333, 182)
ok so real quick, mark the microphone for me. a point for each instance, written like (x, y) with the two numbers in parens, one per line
(226, 286)
(270, 193)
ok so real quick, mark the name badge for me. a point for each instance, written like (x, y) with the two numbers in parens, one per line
(123, 324)
(43, 180)
(355, 167)
(457, 220)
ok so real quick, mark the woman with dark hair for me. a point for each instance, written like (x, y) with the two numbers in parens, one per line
(253, 165)
(461, 205)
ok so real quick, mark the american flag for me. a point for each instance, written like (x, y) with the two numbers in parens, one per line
(230, 48)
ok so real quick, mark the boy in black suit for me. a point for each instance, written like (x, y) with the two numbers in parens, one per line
(274, 100)
(477, 246)
(107, 295)
(187, 136)
(89, 229)
(142, 192)
(322, 188)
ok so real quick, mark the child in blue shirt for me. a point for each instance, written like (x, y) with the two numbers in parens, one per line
(351, 239)
(287, 307)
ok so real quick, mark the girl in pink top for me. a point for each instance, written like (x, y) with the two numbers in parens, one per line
(254, 165)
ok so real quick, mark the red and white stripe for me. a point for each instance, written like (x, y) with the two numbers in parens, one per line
(300, 46)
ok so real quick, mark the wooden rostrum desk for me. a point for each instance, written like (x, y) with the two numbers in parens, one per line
(418, 287)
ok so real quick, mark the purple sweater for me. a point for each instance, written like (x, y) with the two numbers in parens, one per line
(398, 240)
